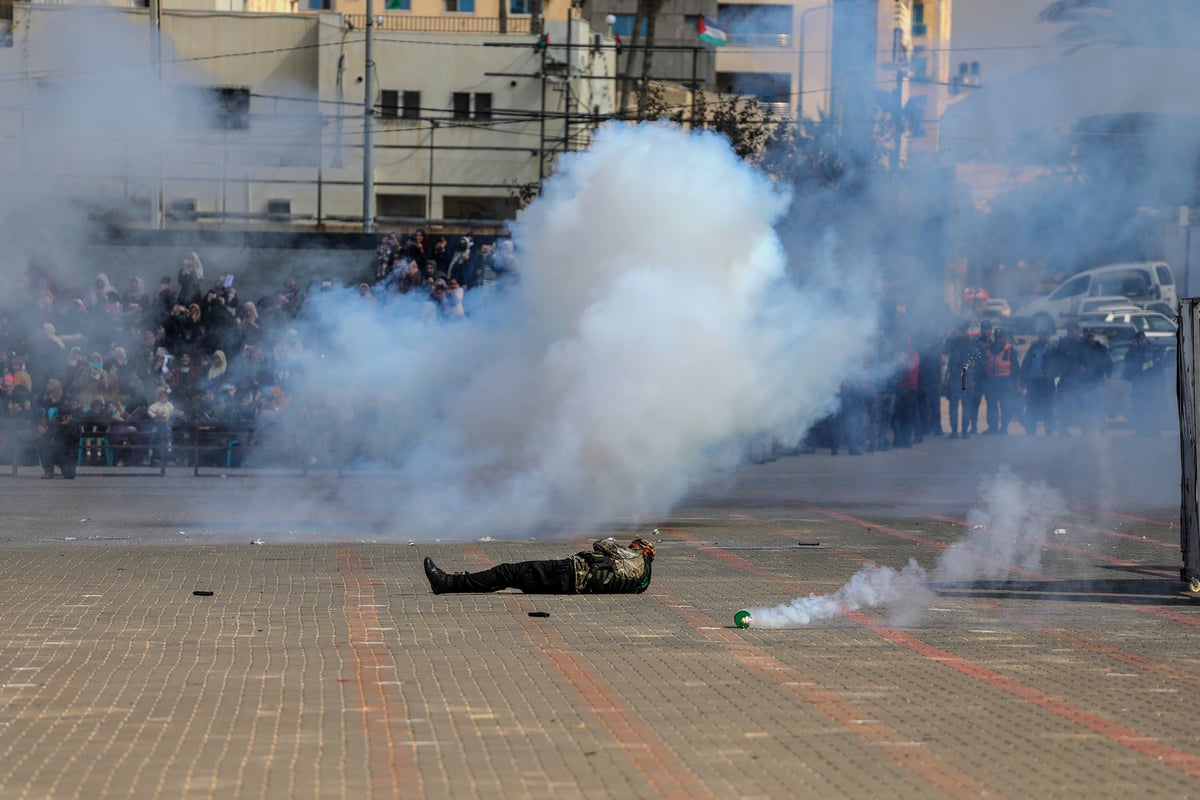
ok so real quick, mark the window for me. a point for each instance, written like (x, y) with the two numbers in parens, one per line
(460, 6)
(520, 7)
(919, 28)
(397, 5)
(279, 208)
(461, 102)
(320, 5)
(412, 105)
(216, 107)
(483, 105)
(747, 20)
(182, 209)
(1072, 288)
(400, 205)
(389, 103)
(479, 207)
(623, 27)
(232, 109)
(771, 88)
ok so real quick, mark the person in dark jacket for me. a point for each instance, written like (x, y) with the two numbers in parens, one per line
(1037, 380)
(59, 433)
(608, 568)
(1144, 368)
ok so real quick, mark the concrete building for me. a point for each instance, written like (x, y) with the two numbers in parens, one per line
(804, 58)
(260, 116)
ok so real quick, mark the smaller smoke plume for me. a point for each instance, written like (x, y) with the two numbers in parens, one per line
(903, 593)
(1006, 532)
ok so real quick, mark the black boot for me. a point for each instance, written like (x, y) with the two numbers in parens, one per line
(440, 581)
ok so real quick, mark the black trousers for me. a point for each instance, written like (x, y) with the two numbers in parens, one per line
(556, 576)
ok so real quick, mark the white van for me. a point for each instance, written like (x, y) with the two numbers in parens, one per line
(1140, 281)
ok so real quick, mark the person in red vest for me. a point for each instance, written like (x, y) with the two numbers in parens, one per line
(1001, 384)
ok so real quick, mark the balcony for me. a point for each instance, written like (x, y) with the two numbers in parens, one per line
(447, 24)
(760, 39)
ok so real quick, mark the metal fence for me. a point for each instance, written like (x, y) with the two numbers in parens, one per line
(447, 24)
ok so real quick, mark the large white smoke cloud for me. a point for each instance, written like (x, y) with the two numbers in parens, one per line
(654, 331)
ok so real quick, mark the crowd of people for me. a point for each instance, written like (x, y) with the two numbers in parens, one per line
(104, 374)
(431, 267)
(985, 383)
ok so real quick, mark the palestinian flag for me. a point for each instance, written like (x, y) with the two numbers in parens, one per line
(709, 34)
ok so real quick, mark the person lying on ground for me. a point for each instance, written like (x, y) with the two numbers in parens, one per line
(608, 568)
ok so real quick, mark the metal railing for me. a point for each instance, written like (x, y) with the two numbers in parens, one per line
(761, 39)
(446, 24)
(132, 447)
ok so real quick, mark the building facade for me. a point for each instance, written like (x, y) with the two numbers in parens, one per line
(262, 116)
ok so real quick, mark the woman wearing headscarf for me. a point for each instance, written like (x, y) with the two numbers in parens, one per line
(137, 292)
(216, 373)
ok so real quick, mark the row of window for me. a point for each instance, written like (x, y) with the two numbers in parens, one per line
(477, 207)
(407, 104)
(228, 108)
(515, 7)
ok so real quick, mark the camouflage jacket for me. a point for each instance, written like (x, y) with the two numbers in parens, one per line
(611, 568)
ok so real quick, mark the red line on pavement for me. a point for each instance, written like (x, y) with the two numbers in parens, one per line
(1100, 648)
(1165, 753)
(392, 770)
(1132, 605)
(669, 776)
(1130, 517)
(1120, 734)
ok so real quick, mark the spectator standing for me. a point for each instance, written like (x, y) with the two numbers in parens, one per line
(191, 274)
(1144, 369)
(463, 263)
(1096, 369)
(961, 379)
(1038, 381)
(929, 388)
(1001, 383)
(906, 423)
(58, 431)
(1069, 366)
(162, 414)
(439, 256)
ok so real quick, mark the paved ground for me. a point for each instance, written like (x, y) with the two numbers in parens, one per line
(321, 666)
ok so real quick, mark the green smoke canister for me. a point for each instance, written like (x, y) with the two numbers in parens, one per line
(742, 619)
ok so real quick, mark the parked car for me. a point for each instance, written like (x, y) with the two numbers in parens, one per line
(1138, 282)
(1168, 310)
(995, 308)
(1119, 302)
(1153, 324)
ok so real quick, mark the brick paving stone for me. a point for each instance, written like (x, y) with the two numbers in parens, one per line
(322, 667)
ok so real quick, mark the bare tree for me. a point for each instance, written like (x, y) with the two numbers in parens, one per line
(1124, 23)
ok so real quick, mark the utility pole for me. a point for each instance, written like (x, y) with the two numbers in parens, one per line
(156, 208)
(542, 123)
(899, 117)
(368, 201)
(1185, 222)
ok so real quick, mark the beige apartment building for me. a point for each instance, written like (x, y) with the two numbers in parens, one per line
(254, 110)
(261, 116)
